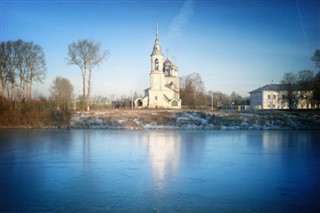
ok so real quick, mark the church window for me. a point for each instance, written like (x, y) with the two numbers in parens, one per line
(157, 64)
(174, 103)
(168, 71)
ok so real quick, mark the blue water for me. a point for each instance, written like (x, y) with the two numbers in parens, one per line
(159, 171)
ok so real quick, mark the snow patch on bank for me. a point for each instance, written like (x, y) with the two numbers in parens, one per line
(220, 120)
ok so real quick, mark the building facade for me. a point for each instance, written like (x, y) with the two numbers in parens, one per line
(164, 90)
(275, 96)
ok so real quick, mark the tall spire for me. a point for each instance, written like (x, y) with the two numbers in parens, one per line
(157, 29)
(156, 47)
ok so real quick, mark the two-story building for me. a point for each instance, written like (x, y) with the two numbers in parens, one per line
(275, 96)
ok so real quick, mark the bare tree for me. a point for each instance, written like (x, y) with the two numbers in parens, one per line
(316, 58)
(86, 54)
(3, 70)
(305, 82)
(218, 98)
(305, 79)
(21, 64)
(235, 98)
(36, 66)
(11, 66)
(289, 81)
(61, 92)
(316, 86)
(316, 82)
(20, 50)
(192, 91)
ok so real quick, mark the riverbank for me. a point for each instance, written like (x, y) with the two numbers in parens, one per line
(163, 119)
(207, 120)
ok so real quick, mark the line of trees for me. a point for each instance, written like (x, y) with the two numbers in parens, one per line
(194, 95)
(21, 64)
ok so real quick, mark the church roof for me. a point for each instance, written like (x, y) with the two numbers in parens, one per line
(156, 50)
(168, 86)
(167, 63)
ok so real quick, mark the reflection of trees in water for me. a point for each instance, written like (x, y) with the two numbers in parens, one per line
(164, 154)
(288, 142)
(280, 140)
(86, 149)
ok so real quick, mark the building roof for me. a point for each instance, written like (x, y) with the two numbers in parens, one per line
(167, 63)
(157, 49)
(277, 87)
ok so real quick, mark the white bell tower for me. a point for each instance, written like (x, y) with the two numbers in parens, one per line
(156, 75)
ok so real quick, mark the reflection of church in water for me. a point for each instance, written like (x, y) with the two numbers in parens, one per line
(164, 155)
(164, 82)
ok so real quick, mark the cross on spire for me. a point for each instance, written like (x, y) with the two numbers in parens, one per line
(174, 59)
(167, 53)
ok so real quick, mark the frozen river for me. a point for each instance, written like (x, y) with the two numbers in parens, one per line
(159, 171)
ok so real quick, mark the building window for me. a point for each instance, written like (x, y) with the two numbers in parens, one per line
(274, 96)
(268, 96)
(156, 98)
(157, 64)
(174, 103)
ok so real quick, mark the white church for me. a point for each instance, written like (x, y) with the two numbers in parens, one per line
(164, 82)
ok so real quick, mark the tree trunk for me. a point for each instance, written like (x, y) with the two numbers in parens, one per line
(12, 92)
(84, 87)
(30, 90)
(20, 89)
(27, 92)
(89, 89)
(3, 88)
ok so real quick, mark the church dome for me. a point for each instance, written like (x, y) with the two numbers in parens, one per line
(167, 63)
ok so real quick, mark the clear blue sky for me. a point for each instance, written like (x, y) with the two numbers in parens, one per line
(234, 45)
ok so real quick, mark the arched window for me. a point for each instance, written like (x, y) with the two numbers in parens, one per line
(168, 71)
(157, 64)
(174, 103)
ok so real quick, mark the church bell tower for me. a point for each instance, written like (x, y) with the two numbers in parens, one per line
(156, 75)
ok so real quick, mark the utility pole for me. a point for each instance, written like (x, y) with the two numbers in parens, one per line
(212, 100)
(131, 100)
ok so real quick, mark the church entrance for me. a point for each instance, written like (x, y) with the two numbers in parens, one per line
(139, 103)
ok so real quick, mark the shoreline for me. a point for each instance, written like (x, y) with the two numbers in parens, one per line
(145, 119)
(196, 120)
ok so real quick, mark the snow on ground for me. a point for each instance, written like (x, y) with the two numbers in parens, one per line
(218, 120)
